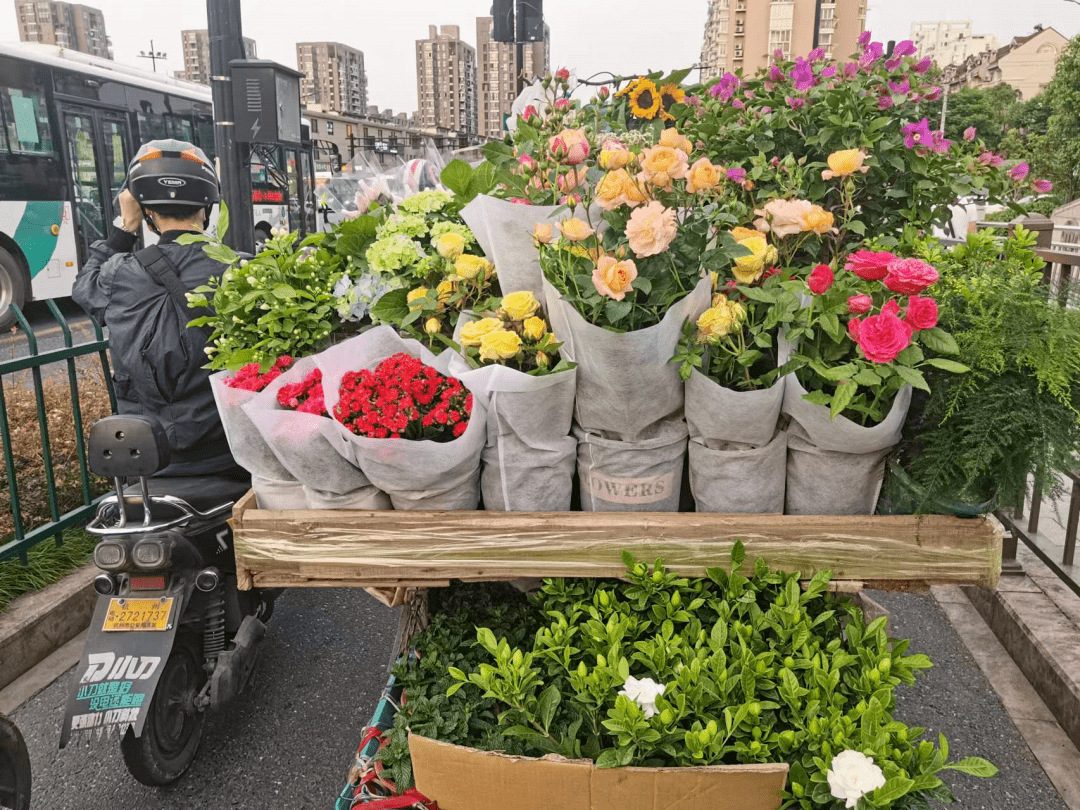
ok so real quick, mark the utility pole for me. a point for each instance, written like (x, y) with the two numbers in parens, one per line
(153, 55)
(519, 44)
(227, 44)
(944, 106)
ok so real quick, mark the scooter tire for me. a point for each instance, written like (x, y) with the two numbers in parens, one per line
(173, 730)
(14, 767)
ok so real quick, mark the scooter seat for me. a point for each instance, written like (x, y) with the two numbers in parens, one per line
(202, 492)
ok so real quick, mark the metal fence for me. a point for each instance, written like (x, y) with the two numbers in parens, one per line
(34, 361)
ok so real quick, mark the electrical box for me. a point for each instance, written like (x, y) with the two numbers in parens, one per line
(266, 102)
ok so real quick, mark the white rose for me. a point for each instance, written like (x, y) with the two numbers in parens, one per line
(643, 693)
(852, 776)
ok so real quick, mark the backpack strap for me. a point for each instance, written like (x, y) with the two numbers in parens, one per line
(164, 272)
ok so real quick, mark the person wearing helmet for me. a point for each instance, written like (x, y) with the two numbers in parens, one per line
(141, 297)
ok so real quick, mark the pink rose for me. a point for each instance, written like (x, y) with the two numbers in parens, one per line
(651, 229)
(570, 146)
(909, 276)
(527, 164)
(870, 265)
(882, 337)
(520, 200)
(921, 313)
(859, 304)
(820, 279)
(562, 74)
(853, 329)
(891, 307)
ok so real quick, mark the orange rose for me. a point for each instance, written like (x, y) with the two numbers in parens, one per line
(672, 138)
(703, 176)
(661, 165)
(575, 230)
(818, 220)
(614, 278)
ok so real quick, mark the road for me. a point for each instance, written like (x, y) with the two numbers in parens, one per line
(46, 329)
(289, 742)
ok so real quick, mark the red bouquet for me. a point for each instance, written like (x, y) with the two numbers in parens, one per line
(305, 396)
(249, 378)
(403, 399)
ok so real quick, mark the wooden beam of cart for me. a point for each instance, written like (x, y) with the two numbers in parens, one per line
(343, 548)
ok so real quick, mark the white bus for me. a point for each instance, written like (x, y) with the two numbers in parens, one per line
(69, 125)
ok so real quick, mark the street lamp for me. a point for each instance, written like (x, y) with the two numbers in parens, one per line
(153, 55)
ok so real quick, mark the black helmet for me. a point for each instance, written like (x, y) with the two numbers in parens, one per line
(171, 172)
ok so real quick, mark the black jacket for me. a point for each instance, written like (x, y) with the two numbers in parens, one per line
(157, 360)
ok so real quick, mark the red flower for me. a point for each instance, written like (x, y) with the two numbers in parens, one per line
(820, 279)
(869, 264)
(853, 329)
(305, 396)
(859, 304)
(909, 276)
(882, 337)
(249, 379)
(921, 313)
(890, 306)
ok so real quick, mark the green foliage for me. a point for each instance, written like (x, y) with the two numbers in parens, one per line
(46, 563)
(978, 436)
(989, 110)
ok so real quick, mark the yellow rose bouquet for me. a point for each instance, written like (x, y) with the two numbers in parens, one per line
(515, 335)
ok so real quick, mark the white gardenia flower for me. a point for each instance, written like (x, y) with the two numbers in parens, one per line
(852, 776)
(643, 693)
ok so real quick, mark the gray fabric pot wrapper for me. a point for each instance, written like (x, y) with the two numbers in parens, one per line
(638, 476)
(245, 439)
(271, 494)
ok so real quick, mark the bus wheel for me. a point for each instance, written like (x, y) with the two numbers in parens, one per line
(12, 289)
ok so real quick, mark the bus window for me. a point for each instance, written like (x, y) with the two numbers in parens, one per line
(150, 110)
(178, 112)
(89, 206)
(204, 132)
(294, 201)
(26, 121)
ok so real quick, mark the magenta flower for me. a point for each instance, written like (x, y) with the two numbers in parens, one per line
(726, 87)
(872, 53)
(737, 175)
(923, 65)
(884, 102)
(915, 98)
(795, 103)
(765, 110)
(1019, 172)
(776, 74)
(1042, 186)
(990, 159)
(738, 104)
(802, 74)
(828, 72)
(917, 134)
(899, 88)
(750, 94)
(940, 144)
(893, 62)
(969, 134)
(864, 38)
(904, 47)
(850, 69)
(778, 54)
(816, 55)
(933, 94)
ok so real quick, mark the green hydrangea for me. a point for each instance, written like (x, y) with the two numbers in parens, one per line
(394, 253)
(439, 228)
(426, 202)
(411, 225)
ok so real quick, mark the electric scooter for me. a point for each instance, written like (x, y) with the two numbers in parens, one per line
(172, 636)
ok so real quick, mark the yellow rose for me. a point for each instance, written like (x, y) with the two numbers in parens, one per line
(714, 277)
(720, 320)
(703, 176)
(445, 290)
(535, 328)
(433, 326)
(845, 162)
(740, 233)
(499, 345)
(748, 269)
(473, 331)
(609, 191)
(520, 305)
(660, 165)
(818, 220)
(542, 233)
(471, 266)
(672, 139)
(450, 245)
(613, 155)
(414, 296)
(575, 229)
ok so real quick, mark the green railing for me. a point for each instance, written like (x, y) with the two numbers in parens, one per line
(33, 362)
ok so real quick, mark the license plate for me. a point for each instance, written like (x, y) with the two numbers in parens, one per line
(138, 614)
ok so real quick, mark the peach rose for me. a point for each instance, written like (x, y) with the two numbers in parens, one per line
(609, 191)
(570, 147)
(613, 155)
(845, 162)
(703, 176)
(575, 229)
(651, 229)
(614, 278)
(672, 138)
(660, 165)
(818, 220)
(740, 233)
(572, 179)
(783, 217)
(542, 233)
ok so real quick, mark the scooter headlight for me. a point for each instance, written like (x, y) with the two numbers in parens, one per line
(110, 556)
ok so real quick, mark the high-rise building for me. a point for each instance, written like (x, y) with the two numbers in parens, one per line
(745, 33)
(196, 44)
(80, 28)
(497, 72)
(950, 42)
(446, 81)
(334, 76)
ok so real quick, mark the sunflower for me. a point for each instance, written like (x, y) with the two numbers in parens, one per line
(626, 90)
(670, 95)
(644, 99)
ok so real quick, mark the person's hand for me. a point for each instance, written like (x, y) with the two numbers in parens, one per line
(131, 213)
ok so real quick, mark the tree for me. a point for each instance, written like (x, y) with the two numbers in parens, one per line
(988, 110)
(1063, 126)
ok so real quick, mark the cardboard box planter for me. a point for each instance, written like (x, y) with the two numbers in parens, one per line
(461, 778)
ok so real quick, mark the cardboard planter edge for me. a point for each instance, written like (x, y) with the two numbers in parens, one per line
(497, 781)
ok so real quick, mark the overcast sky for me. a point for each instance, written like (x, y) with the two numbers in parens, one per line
(623, 36)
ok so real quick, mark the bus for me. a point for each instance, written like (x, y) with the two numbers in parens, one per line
(69, 126)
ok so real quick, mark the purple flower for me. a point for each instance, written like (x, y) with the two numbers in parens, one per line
(850, 69)
(871, 54)
(750, 94)
(738, 104)
(940, 144)
(1019, 172)
(725, 88)
(776, 74)
(828, 72)
(1042, 186)
(969, 134)
(893, 63)
(917, 134)
(765, 110)
(899, 88)
(864, 38)
(778, 54)
(923, 65)
(816, 55)
(904, 48)
(795, 103)
(802, 74)
(990, 159)
(884, 102)
(737, 175)
(932, 94)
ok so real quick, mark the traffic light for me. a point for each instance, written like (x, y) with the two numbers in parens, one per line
(502, 12)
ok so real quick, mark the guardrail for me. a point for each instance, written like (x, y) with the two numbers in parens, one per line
(35, 359)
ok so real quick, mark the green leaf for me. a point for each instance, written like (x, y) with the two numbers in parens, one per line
(608, 758)
(548, 703)
(392, 308)
(456, 176)
(845, 392)
(938, 340)
(617, 310)
(222, 220)
(866, 377)
(973, 766)
(912, 376)
(947, 365)
(738, 554)
(892, 790)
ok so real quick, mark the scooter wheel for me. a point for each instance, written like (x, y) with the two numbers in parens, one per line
(14, 767)
(170, 738)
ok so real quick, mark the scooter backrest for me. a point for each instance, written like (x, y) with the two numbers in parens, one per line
(123, 446)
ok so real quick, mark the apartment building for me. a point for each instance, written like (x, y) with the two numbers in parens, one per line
(68, 25)
(745, 33)
(446, 81)
(497, 73)
(334, 76)
(196, 47)
(950, 42)
(1026, 64)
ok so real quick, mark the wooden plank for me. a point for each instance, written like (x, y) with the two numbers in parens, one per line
(364, 548)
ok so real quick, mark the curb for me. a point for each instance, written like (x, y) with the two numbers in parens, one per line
(36, 624)
(1040, 640)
